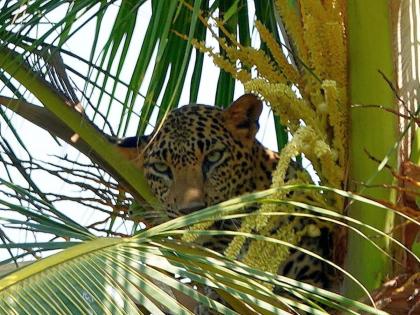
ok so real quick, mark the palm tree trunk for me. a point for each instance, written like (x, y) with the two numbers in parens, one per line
(373, 131)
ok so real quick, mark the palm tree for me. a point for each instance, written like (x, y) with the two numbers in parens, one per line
(87, 101)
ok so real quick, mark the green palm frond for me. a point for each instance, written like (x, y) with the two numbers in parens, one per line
(128, 275)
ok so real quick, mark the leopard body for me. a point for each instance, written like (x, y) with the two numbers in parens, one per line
(202, 155)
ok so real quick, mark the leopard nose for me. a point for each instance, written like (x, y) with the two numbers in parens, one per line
(191, 207)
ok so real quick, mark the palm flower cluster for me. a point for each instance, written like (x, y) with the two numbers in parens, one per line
(305, 85)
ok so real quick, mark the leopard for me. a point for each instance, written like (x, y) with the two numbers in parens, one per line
(201, 155)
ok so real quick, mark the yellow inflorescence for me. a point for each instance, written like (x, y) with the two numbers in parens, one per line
(267, 255)
(265, 67)
(285, 103)
(312, 34)
(271, 255)
(309, 97)
(240, 74)
(292, 21)
(289, 72)
(336, 53)
(192, 237)
(337, 115)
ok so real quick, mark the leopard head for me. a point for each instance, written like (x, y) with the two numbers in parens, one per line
(200, 155)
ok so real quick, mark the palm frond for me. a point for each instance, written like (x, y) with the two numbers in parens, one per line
(141, 271)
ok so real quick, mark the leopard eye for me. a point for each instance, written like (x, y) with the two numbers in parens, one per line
(214, 156)
(160, 167)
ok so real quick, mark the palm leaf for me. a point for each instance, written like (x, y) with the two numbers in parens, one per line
(140, 270)
(12, 63)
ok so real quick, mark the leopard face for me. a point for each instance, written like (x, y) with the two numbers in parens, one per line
(202, 155)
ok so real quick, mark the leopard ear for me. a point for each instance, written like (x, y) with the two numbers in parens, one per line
(133, 148)
(242, 116)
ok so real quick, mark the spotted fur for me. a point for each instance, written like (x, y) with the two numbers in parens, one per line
(202, 155)
(186, 142)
